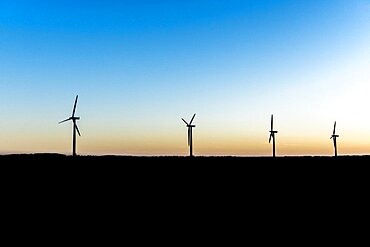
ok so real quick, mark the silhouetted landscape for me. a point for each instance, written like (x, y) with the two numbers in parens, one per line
(132, 178)
(184, 164)
(186, 78)
(60, 159)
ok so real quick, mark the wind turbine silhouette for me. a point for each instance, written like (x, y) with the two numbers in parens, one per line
(334, 137)
(190, 134)
(272, 135)
(75, 128)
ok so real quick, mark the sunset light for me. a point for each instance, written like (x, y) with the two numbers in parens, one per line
(139, 67)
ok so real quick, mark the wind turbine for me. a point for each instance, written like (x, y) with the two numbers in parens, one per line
(190, 134)
(334, 137)
(272, 135)
(75, 128)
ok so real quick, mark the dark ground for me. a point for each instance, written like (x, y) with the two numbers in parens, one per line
(239, 178)
(242, 194)
(231, 169)
(231, 173)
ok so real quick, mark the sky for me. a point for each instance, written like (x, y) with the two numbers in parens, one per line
(139, 66)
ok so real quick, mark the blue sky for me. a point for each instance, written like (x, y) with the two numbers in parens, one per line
(139, 66)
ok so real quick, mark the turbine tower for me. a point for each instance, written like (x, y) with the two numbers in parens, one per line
(334, 137)
(272, 135)
(75, 128)
(190, 134)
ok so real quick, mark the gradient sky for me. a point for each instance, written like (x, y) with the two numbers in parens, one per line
(139, 66)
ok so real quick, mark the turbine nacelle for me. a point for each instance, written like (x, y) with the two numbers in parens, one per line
(70, 118)
(334, 135)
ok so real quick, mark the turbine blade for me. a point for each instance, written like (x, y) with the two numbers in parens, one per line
(184, 121)
(335, 125)
(78, 131)
(272, 122)
(74, 107)
(270, 137)
(192, 119)
(64, 120)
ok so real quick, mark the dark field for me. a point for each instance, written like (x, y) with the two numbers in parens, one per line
(184, 170)
(187, 187)
(158, 179)
(174, 167)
